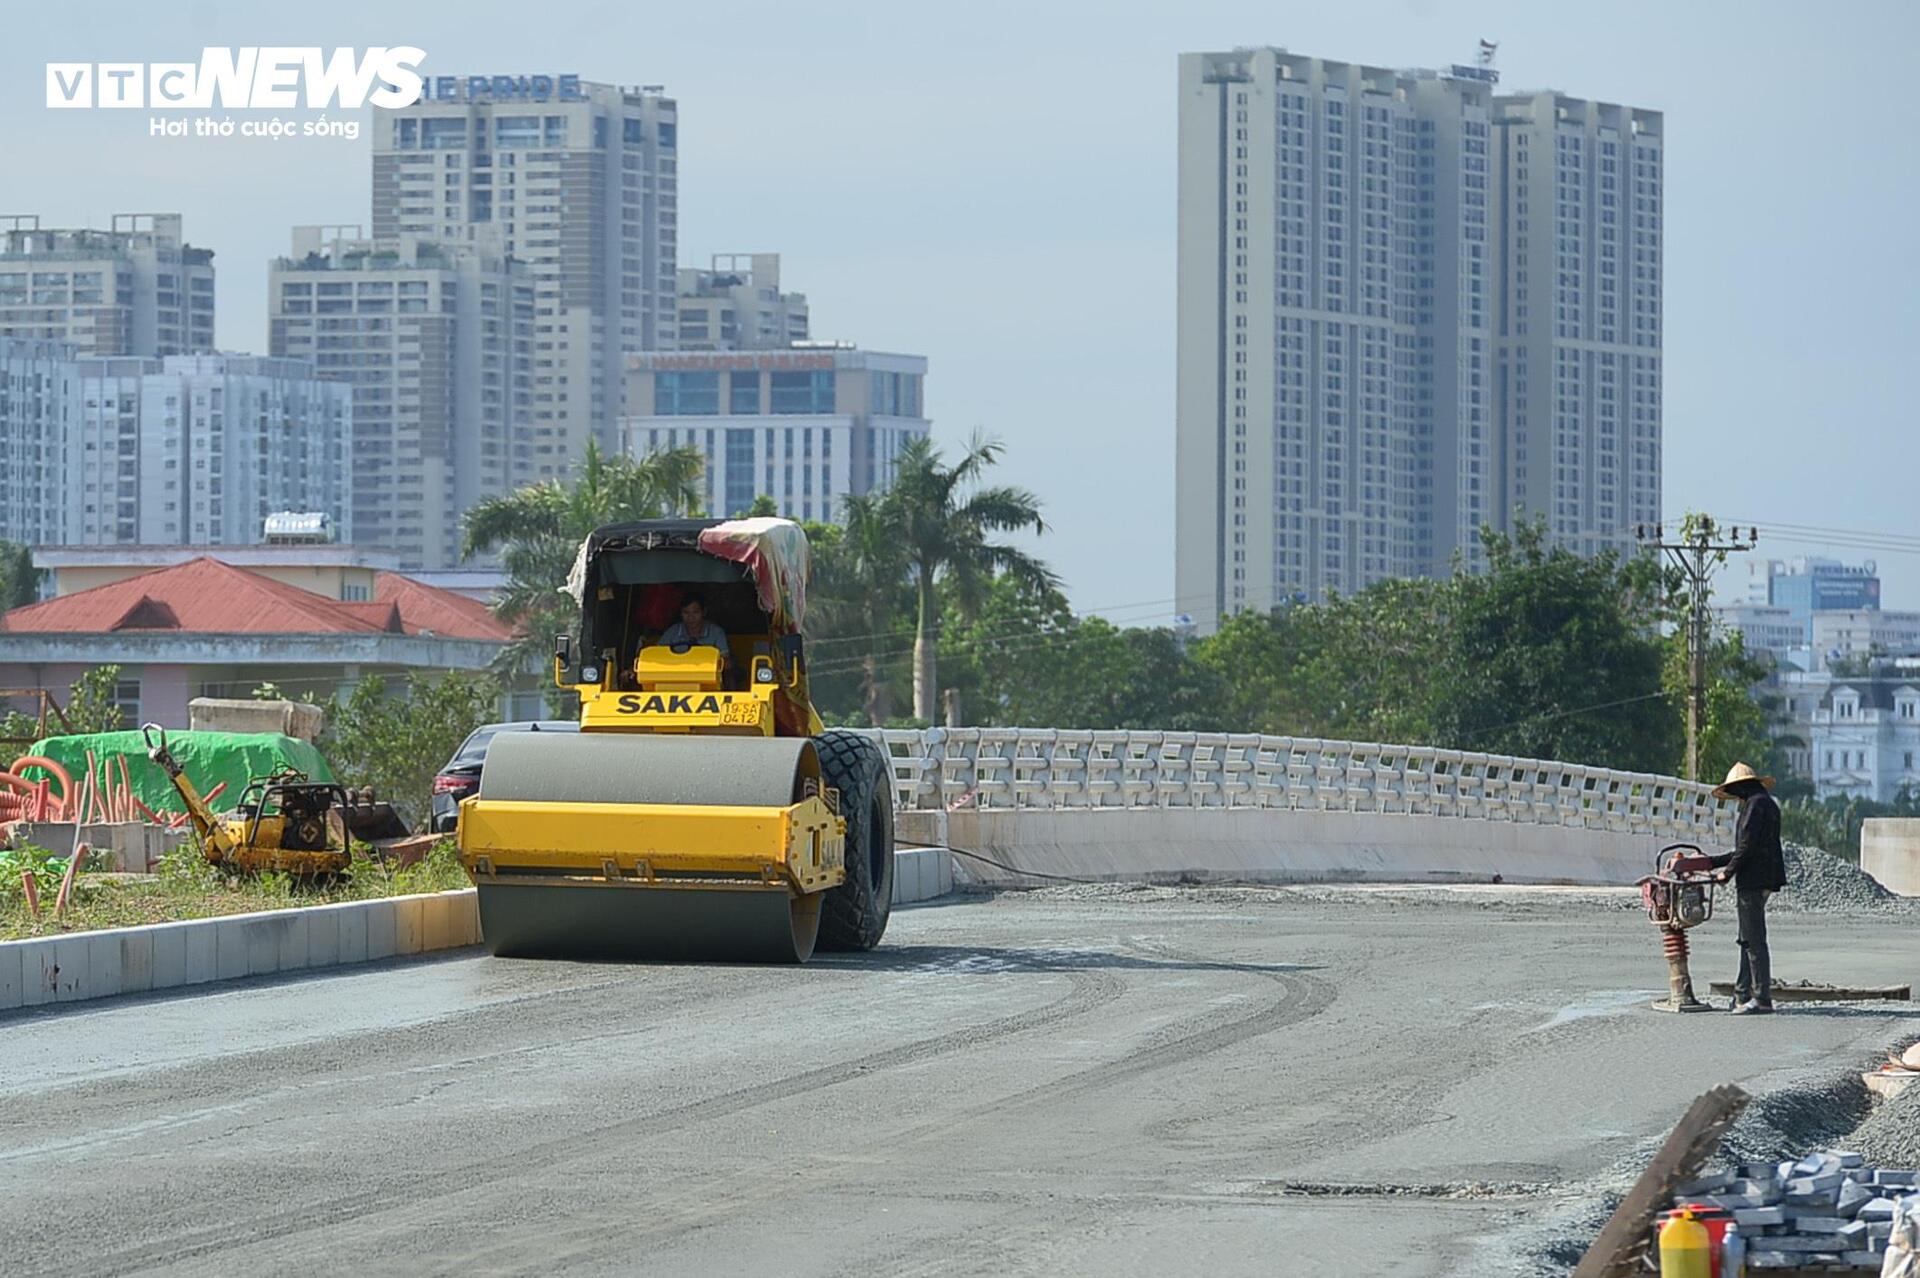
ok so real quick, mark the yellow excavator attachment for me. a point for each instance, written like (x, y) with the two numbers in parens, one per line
(659, 846)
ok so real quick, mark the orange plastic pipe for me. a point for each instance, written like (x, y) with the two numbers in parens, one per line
(53, 769)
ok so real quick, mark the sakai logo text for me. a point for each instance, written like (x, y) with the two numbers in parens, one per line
(260, 78)
(675, 703)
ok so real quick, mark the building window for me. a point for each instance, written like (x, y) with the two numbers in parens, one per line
(355, 594)
(802, 392)
(686, 394)
(743, 391)
(126, 696)
(739, 494)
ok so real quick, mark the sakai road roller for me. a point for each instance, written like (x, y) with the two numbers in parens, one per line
(701, 812)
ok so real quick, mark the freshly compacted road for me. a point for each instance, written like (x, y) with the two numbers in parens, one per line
(1077, 1081)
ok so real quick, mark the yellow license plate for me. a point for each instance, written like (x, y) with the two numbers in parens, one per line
(740, 714)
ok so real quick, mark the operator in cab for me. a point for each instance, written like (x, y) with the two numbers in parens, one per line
(694, 630)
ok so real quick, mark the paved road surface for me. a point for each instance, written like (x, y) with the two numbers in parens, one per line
(1071, 1082)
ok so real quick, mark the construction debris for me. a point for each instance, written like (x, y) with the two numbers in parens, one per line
(1811, 992)
(1829, 1209)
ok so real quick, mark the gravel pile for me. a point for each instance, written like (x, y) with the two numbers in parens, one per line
(1821, 883)
(1819, 1112)
(1891, 1135)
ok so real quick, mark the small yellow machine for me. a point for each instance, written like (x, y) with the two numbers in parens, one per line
(701, 812)
(281, 822)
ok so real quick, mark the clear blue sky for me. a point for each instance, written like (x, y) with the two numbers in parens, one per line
(992, 185)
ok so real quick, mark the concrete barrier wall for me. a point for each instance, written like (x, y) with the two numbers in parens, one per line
(137, 960)
(1250, 845)
(1890, 852)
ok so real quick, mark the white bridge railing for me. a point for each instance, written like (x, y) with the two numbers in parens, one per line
(1046, 768)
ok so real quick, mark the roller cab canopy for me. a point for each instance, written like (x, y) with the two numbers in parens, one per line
(631, 581)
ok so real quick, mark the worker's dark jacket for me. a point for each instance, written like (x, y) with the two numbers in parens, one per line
(1757, 861)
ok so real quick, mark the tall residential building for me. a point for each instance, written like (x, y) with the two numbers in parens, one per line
(579, 182)
(805, 426)
(436, 339)
(35, 399)
(737, 305)
(187, 450)
(1579, 222)
(138, 289)
(1355, 303)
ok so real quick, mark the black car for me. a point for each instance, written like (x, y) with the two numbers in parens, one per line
(460, 776)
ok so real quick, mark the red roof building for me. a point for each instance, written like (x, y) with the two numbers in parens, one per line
(208, 628)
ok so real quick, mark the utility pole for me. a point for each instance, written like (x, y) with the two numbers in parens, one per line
(1699, 549)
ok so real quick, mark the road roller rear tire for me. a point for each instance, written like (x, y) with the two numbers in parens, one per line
(854, 915)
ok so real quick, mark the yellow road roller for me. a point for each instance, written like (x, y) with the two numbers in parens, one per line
(702, 812)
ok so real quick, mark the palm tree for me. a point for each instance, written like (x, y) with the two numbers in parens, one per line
(538, 530)
(943, 519)
(859, 580)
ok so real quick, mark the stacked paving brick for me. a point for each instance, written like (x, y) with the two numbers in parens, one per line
(1826, 1211)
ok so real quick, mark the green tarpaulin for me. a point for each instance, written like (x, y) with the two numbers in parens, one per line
(208, 758)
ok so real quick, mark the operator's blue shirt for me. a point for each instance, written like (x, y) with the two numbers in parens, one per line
(711, 636)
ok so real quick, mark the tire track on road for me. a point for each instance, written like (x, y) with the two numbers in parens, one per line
(1087, 991)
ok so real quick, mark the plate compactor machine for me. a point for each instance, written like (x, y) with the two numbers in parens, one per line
(701, 812)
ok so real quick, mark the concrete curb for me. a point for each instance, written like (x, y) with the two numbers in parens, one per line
(161, 956)
(919, 874)
(164, 956)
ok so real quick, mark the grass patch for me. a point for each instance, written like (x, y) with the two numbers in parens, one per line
(183, 886)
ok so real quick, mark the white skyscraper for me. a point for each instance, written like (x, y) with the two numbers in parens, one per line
(436, 339)
(138, 289)
(1346, 293)
(578, 181)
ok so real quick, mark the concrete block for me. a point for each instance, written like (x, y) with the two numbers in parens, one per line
(262, 940)
(1852, 1197)
(942, 872)
(379, 928)
(1771, 1260)
(38, 980)
(1759, 1217)
(352, 923)
(409, 924)
(203, 952)
(1878, 1232)
(12, 975)
(1894, 1178)
(136, 960)
(1846, 1157)
(1853, 1234)
(230, 948)
(1875, 1209)
(169, 965)
(466, 917)
(103, 964)
(292, 927)
(323, 936)
(1732, 1202)
(1862, 1259)
(72, 974)
(1821, 1224)
(1804, 1243)
(436, 923)
(1820, 1184)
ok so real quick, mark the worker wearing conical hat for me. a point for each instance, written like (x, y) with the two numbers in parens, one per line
(1757, 867)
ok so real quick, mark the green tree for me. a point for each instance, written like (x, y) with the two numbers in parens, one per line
(90, 702)
(764, 507)
(19, 579)
(1736, 727)
(945, 519)
(396, 743)
(538, 530)
(857, 605)
(1554, 655)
